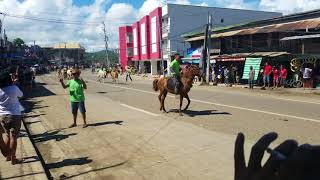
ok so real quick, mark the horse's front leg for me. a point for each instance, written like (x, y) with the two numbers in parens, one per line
(163, 99)
(187, 97)
(181, 100)
(160, 100)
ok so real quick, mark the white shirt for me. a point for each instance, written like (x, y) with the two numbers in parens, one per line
(307, 73)
(9, 102)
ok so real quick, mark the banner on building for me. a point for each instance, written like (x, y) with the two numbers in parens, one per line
(255, 63)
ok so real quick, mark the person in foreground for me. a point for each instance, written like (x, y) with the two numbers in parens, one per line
(10, 116)
(76, 89)
(288, 161)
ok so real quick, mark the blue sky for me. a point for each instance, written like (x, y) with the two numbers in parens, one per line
(114, 12)
(138, 3)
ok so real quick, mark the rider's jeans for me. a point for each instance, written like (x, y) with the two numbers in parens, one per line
(177, 87)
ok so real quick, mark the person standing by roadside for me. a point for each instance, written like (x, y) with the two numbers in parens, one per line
(251, 77)
(128, 73)
(266, 75)
(76, 88)
(307, 73)
(226, 76)
(283, 76)
(275, 77)
(10, 116)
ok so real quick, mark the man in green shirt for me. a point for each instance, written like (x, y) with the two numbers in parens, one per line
(175, 72)
(76, 87)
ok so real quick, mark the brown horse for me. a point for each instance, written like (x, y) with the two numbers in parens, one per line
(166, 84)
(115, 75)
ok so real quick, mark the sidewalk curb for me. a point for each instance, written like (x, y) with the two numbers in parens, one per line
(41, 160)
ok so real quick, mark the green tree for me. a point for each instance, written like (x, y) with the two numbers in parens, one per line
(18, 42)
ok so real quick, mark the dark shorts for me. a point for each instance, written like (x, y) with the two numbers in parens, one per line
(78, 105)
(10, 124)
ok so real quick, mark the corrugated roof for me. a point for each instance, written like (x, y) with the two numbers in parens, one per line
(310, 36)
(282, 27)
(69, 45)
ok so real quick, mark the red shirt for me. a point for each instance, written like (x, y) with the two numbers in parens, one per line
(275, 74)
(267, 70)
(284, 73)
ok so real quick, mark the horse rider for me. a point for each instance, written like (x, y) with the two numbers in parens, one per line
(175, 71)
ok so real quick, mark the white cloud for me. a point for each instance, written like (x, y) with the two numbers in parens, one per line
(117, 15)
(185, 2)
(204, 4)
(289, 6)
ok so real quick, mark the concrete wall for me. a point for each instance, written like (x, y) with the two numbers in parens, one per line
(155, 33)
(184, 18)
(136, 41)
(145, 37)
(124, 45)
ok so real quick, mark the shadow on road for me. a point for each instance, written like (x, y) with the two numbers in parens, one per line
(69, 162)
(106, 123)
(118, 83)
(40, 91)
(96, 170)
(54, 135)
(192, 113)
(33, 116)
(31, 122)
(30, 159)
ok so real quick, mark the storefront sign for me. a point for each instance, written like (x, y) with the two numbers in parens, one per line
(194, 53)
(255, 63)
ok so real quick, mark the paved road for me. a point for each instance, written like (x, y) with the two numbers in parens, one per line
(229, 110)
(130, 139)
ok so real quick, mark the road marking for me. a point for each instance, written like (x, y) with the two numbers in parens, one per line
(310, 102)
(255, 110)
(224, 105)
(140, 110)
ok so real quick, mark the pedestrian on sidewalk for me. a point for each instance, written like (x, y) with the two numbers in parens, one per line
(128, 73)
(251, 77)
(307, 73)
(226, 76)
(266, 76)
(10, 116)
(283, 76)
(275, 77)
(76, 88)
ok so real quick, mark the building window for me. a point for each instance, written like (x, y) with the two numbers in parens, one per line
(222, 20)
(129, 52)
(129, 38)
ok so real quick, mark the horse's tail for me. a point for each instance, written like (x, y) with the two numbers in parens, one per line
(155, 85)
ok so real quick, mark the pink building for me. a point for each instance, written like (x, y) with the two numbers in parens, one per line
(125, 45)
(155, 33)
(145, 38)
(145, 44)
(136, 41)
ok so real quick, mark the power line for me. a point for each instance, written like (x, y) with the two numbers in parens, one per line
(106, 39)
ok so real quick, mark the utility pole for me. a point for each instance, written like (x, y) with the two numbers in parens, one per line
(160, 44)
(209, 47)
(106, 39)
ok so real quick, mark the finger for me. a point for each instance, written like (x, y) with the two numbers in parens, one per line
(239, 160)
(286, 149)
(257, 151)
(294, 168)
(313, 169)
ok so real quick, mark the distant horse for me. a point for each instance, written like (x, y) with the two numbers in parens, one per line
(115, 75)
(69, 73)
(101, 75)
(167, 84)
